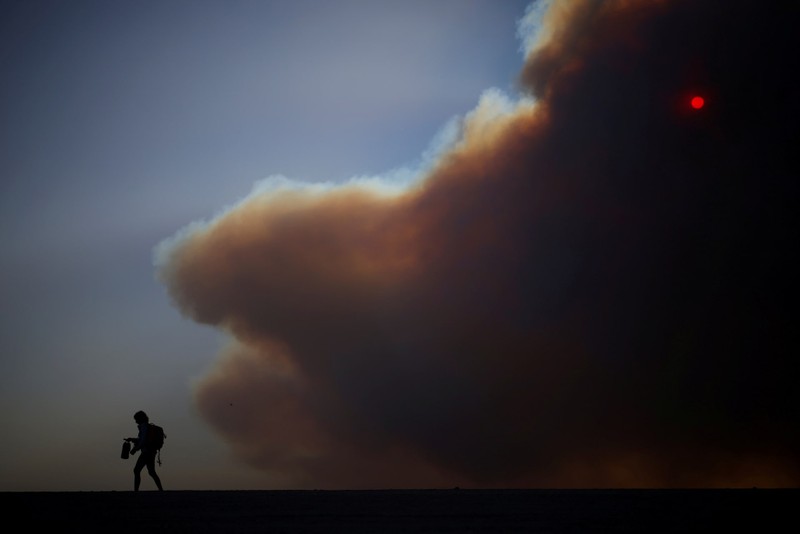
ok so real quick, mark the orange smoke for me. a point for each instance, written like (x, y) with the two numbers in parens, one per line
(585, 289)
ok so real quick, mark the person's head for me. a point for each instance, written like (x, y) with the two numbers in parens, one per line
(140, 417)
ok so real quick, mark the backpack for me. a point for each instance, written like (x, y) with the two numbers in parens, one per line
(154, 439)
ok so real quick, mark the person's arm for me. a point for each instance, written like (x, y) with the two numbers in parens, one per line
(138, 442)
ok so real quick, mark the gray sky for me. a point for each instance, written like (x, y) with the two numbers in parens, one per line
(120, 123)
(585, 285)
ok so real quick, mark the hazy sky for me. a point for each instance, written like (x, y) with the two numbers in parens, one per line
(124, 121)
(343, 244)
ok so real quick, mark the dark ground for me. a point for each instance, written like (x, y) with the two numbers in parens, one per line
(421, 511)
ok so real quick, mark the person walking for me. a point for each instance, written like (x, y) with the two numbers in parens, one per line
(147, 458)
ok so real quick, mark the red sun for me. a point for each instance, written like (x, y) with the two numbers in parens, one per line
(698, 102)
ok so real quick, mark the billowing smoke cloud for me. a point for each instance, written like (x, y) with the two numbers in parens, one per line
(588, 287)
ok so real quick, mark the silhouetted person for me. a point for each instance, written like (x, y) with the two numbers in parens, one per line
(148, 456)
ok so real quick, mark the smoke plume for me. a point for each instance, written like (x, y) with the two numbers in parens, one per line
(589, 287)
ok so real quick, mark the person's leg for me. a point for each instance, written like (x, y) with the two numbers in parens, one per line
(137, 471)
(151, 470)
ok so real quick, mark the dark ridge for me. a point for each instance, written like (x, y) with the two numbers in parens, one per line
(417, 511)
